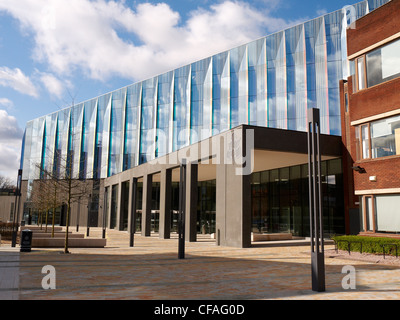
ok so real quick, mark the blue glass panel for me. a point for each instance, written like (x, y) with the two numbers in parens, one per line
(333, 45)
(334, 73)
(234, 112)
(252, 76)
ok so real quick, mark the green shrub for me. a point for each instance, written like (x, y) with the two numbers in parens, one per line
(369, 244)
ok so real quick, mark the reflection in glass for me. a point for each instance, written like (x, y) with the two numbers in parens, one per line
(365, 142)
(383, 64)
(279, 200)
(385, 137)
(361, 73)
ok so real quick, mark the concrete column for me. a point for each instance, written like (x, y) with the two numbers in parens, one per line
(191, 202)
(165, 203)
(146, 205)
(233, 221)
(233, 196)
(119, 207)
(108, 210)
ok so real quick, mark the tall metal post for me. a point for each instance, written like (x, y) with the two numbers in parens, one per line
(182, 211)
(15, 218)
(315, 202)
(133, 212)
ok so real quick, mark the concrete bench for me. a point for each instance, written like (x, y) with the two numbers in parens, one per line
(72, 243)
(271, 236)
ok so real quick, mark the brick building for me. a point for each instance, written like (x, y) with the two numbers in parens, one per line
(370, 107)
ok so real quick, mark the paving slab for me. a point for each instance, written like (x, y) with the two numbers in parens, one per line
(151, 270)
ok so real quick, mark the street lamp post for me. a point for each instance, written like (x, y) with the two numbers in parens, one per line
(315, 201)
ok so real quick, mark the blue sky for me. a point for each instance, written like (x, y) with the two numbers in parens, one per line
(55, 52)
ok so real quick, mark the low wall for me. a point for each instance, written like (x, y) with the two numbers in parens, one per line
(72, 243)
(41, 229)
(37, 235)
(271, 236)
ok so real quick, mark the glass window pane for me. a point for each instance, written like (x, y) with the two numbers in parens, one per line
(361, 73)
(385, 137)
(365, 141)
(383, 64)
(368, 214)
(387, 217)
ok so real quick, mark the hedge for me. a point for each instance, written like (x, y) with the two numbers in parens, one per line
(369, 244)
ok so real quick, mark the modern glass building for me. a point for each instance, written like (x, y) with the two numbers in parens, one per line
(270, 82)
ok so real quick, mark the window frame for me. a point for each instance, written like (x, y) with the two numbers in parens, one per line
(365, 70)
(364, 213)
(359, 142)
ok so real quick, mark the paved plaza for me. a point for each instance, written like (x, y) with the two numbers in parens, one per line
(152, 271)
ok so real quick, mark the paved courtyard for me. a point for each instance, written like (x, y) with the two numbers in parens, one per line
(152, 271)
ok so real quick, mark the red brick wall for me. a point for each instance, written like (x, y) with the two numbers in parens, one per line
(386, 171)
(374, 27)
(375, 100)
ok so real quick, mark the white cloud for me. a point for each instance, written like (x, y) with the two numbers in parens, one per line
(53, 85)
(17, 80)
(6, 103)
(322, 12)
(85, 35)
(10, 145)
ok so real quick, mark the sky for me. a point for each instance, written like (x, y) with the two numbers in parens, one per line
(56, 53)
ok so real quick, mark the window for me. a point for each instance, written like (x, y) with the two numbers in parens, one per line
(379, 138)
(387, 215)
(378, 66)
(369, 213)
(383, 137)
(361, 73)
(365, 141)
(383, 64)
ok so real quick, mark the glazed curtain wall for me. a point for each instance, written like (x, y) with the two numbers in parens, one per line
(280, 203)
(269, 82)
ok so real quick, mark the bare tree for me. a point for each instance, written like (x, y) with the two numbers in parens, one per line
(57, 187)
(6, 183)
(64, 179)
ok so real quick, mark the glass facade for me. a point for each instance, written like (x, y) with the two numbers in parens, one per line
(269, 82)
(279, 200)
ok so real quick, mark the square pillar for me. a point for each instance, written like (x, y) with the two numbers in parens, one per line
(165, 204)
(108, 213)
(233, 194)
(233, 206)
(146, 205)
(191, 202)
(131, 202)
(119, 207)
